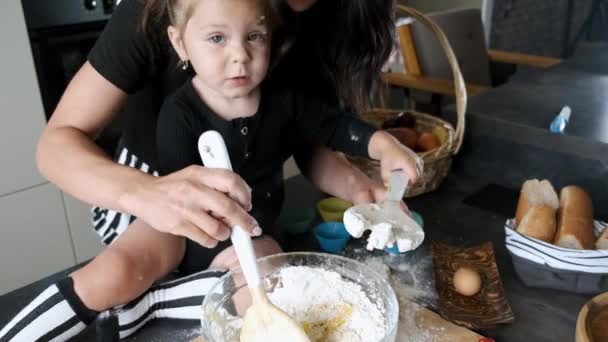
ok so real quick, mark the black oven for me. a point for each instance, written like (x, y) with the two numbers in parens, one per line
(61, 34)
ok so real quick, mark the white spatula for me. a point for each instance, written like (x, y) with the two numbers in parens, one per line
(388, 222)
(263, 321)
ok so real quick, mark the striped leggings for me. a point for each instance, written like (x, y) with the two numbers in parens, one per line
(58, 314)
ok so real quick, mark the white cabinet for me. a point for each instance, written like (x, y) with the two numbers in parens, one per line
(21, 111)
(35, 237)
(34, 241)
(87, 244)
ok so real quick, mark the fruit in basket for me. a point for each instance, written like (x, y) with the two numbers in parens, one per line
(403, 119)
(407, 136)
(427, 141)
(441, 133)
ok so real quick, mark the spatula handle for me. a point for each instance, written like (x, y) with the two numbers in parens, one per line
(397, 184)
(214, 154)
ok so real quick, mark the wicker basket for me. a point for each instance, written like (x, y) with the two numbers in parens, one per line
(437, 162)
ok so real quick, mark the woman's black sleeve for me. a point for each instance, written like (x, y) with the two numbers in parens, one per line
(124, 54)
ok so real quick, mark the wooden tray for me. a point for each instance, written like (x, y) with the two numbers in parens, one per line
(592, 323)
(487, 309)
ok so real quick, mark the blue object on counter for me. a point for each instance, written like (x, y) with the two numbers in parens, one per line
(296, 220)
(418, 218)
(332, 236)
(558, 125)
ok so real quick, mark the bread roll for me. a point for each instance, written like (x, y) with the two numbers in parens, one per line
(535, 193)
(575, 219)
(602, 241)
(539, 223)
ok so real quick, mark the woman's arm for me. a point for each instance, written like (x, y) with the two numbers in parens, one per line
(67, 154)
(68, 157)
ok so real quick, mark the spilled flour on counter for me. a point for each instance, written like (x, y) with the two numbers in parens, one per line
(330, 308)
(412, 282)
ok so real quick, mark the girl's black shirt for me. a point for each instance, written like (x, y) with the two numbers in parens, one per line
(258, 145)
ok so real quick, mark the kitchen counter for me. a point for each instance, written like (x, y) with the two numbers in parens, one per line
(510, 123)
(540, 314)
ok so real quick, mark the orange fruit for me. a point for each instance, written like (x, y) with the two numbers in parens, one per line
(428, 141)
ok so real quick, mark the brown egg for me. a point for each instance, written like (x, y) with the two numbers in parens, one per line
(466, 281)
(407, 136)
(427, 142)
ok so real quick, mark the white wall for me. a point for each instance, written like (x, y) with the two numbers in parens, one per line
(21, 112)
(35, 235)
(486, 7)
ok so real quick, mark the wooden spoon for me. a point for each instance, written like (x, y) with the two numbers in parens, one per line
(263, 321)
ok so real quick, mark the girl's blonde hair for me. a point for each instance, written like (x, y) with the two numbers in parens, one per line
(178, 12)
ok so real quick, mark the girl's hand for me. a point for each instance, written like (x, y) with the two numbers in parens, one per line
(393, 156)
(365, 190)
(197, 202)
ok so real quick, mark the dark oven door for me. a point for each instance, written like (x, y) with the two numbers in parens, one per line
(58, 55)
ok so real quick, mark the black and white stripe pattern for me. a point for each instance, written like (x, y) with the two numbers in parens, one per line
(48, 318)
(109, 224)
(589, 261)
(177, 299)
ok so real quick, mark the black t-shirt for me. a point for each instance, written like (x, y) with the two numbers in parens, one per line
(257, 145)
(145, 65)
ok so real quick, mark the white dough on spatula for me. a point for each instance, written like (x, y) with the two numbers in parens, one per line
(388, 225)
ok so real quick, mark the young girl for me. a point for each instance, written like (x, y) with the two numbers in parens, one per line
(141, 255)
(227, 43)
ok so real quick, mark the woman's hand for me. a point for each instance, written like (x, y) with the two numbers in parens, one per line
(394, 156)
(362, 189)
(197, 202)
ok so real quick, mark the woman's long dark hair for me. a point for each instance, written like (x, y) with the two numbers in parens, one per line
(353, 39)
(358, 39)
(155, 12)
(361, 44)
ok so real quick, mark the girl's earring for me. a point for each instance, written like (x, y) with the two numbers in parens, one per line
(185, 64)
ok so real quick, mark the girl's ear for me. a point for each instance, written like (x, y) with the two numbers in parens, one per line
(175, 36)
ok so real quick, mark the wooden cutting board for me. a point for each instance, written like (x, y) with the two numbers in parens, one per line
(441, 330)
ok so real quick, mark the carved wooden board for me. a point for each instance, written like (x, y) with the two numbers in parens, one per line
(489, 308)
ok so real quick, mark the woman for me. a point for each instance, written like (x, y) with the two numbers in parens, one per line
(129, 72)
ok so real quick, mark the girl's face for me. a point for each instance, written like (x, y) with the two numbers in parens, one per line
(227, 42)
(300, 5)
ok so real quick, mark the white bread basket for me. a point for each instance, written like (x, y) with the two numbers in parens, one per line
(541, 264)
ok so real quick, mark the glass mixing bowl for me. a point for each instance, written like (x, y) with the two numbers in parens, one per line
(228, 300)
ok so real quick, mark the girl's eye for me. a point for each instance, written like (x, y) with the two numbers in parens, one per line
(216, 39)
(257, 36)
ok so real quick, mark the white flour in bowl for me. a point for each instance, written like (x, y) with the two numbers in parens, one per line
(330, 308)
